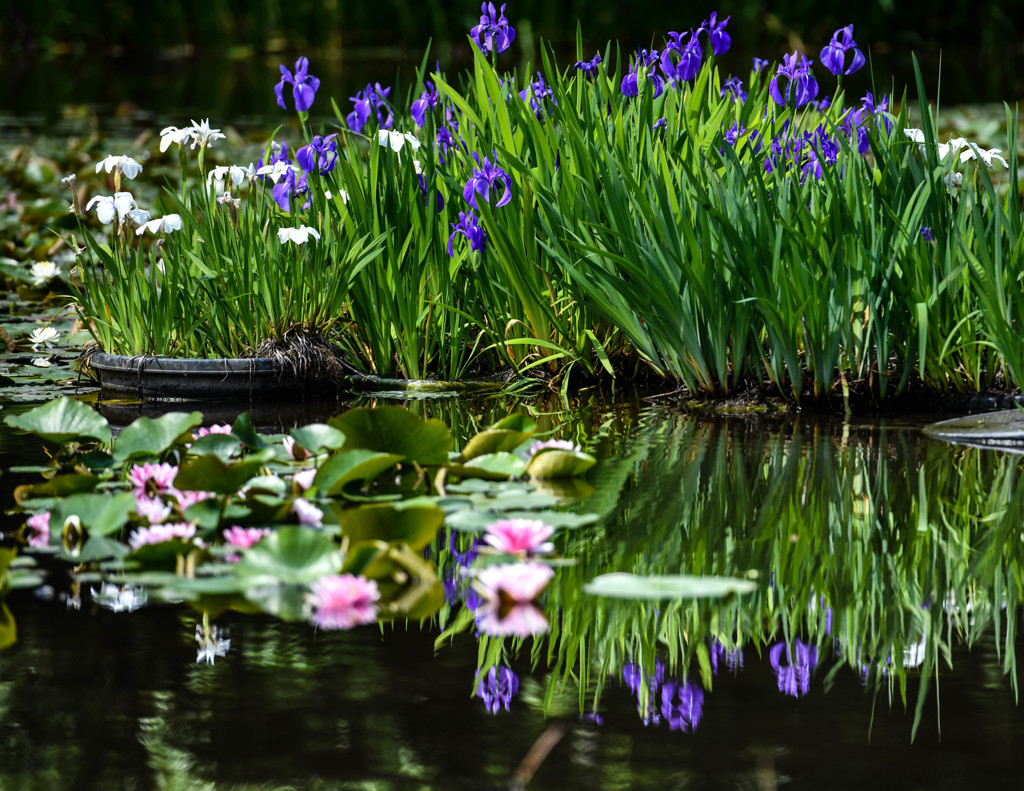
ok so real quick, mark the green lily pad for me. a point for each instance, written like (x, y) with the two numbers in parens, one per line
(391, 429)
(557, 463)
(491, 466)
(247, 434)
(414, 525)
(101, 514)
(287, 602)
(223, 446)
(318, 437)
(58, 486)
(506, 435)
(352, 465)
(63, 420)
(98, 548)
(209, 473)
(620, 585)
(296, 555)
(149, 437)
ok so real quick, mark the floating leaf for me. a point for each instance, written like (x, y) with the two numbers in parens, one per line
(414, 525)
(58, 486)
(223, 446)
(149, 437)
(391, 429)
(210, 474)
(352, 465)
(63, 420)
(100, 514)
(491, 466)
(507, 434)
(296, 555)
(318, 437)
(620, 585)
(558, 463)
(247, 434)
(207, 513)
(99, 548)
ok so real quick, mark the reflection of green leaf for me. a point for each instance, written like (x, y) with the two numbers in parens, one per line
(318, 437)
(210, 474)
(149, 437)
(8, 629)
(620, 585)
(557, 463)
(100, 514)
(293, 555)
(352, 465)
(507, 434)
(287, 602)
(414, 525)
(63, 420)
(391, 429)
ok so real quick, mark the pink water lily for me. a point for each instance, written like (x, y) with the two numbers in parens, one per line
(151, 478)
(341, 601)
(508, 592)
(520, 536)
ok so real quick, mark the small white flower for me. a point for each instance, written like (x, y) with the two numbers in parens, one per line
(41, 362)
(417, 167)
(915, 135)
(389, 138)
(277, 171)
(165, 224)
(227, 200)
(43, 272)
(236, 173)
(108, 208)
(128, 166)
(203, 135)
(69, 181)
(298, 235)
(172, 134)
(44, 336)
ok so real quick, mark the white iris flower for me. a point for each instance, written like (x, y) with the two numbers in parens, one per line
(298, 235)
(165, 224)
(128, 166)
(108, 208)
(389, 138)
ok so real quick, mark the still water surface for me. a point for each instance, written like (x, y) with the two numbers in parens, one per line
(897, 537)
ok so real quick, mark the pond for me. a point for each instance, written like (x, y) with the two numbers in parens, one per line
(887, 570)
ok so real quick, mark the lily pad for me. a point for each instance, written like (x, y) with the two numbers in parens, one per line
(352, 465)
(149, 437)
(296, 555)
(63, 420)
(413, 525)
(100, 514)
(620, 585)
(391, 429)
(211, 474)
(557, 463)
(507, 434)
(223, 446)
(318, 437)
(491, 466)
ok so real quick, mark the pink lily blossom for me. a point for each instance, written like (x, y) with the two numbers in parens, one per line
(520, 536)
(341, 601)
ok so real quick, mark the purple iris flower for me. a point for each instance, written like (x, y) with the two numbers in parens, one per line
(734, 87)
(370, 100)
(588, 67)
(758, 65)
(879, 108)
(484, 177)
(494, 33)
(468, 226)
(833, 56)
(926, 234)
(795, 676)
(733, 659)
(720, 40)
(631, 87)
(660, 123)
(304, 85)
(462, 558)
(691, 54)
(498, 688)
(535, 93)
(801, 86)
(319, 156)
(428, 101)
(291, 187)
(443, 141)
(682, 705)
(822, 104)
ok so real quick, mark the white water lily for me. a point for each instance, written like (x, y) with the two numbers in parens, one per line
(165, 224)
(172, 134)
(44, 336)
(203, 135)
(43, 272)
(108, 208)
(41, 362)
(128, 166)
(298, 235)
(389, 138)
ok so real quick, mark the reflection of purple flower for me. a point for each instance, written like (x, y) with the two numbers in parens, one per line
(682, 705)
(304, 85)
(795, 676)
(733, 659)
(498, 688)
(494, 33)
(462, 558)
(634, 676)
